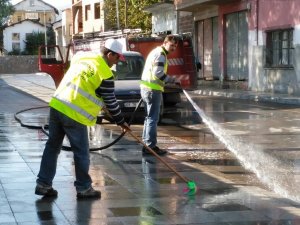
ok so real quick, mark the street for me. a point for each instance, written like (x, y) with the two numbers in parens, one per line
(243, 156)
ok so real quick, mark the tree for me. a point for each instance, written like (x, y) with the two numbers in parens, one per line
(6, 9)
(32, 43)
(50, 36)
(35, 39)
(131, 14)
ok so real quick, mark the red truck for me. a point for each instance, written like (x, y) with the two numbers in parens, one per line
(181, 64)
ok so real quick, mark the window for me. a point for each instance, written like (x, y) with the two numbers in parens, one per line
(97, 10)
(16, 46)
(87, 11)
(27, 35)
(31, 2)
(15, 37)
(279, 48)
(15, 41)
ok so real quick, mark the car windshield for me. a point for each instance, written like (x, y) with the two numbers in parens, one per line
(130, 69)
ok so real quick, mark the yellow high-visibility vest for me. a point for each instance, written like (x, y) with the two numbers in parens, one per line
(75, 97)
(148, 77)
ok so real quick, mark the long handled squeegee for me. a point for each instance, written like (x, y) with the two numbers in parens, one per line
(191, 188)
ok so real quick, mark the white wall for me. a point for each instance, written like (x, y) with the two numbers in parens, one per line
(22, 28)
(92, 24)
(66, 22)
(38, 6)
(296, 37)
(164, 20)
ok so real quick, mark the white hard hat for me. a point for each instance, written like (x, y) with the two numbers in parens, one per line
(115, 46)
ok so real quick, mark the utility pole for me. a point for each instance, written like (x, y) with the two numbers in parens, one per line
(126, 9)
(45, 34)
(117, 10)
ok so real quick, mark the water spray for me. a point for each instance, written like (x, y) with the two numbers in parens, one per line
(253, 157)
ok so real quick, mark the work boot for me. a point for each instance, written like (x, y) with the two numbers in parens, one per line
(46, 191)
(156, 149)
(89, 193)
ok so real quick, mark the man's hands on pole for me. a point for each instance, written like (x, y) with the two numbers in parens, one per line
(125, 127)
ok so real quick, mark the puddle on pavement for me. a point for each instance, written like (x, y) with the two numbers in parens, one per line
(169, 180)
(34, 117)
(106, 181)
(224, 207)
(45, 215)
(135, 211)
(118, 149)
(133, 162)
(226, 117)
(218, 191)
(187, 117)
(219, 162)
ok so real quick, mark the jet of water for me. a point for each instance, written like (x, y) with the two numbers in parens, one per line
(274, 173)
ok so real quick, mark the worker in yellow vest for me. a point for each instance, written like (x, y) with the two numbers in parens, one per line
(86, 88)
(152, 85)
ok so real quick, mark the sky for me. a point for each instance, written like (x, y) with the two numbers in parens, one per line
(59, 4)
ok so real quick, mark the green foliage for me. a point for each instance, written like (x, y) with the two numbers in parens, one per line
(34, 40)
(14, 52)
(136, 17)
(32, 43)
(6, 9)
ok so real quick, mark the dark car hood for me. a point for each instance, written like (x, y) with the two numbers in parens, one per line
(132, 87)
(127, 87)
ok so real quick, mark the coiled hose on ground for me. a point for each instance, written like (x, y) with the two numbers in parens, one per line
(67, 148)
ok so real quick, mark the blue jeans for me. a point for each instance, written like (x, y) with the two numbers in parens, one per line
(59, 126)
(152, 100)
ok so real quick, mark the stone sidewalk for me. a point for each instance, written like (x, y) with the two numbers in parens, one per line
(45, 87)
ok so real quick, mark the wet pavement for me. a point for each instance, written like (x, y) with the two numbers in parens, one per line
(255, 183)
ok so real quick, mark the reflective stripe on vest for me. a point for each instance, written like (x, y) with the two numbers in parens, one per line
(77, 108)
(84, 93)
(75, 97)
(149, 79)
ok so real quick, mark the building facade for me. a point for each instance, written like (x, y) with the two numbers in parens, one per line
(29, 16)
(63, 29)
(87, 17)
(254, 43)
(164, 17)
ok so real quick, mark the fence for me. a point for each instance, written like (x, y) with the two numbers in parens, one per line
(18, 64)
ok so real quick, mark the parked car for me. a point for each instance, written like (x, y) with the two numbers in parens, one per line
(127, 75)
(127, 88)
